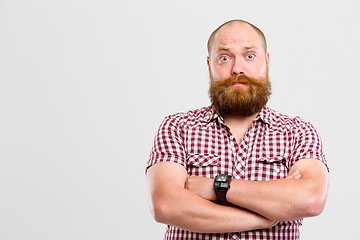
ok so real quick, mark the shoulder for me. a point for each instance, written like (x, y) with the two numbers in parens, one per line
(283, 122)
(193, 117)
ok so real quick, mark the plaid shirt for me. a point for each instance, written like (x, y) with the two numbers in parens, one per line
(202, 142)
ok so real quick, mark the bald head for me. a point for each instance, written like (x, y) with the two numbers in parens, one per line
(235, 23)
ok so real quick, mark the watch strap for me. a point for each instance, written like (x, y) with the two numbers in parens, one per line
(221, 195)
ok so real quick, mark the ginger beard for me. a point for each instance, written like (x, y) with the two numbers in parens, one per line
(240, 100)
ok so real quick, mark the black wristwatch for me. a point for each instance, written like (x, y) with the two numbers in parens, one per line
(221, 186)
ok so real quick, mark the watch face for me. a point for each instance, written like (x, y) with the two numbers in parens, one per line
(221, 178)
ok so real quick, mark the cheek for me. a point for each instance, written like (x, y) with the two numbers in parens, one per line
(258, 70)
(264, 68)
(220, 73)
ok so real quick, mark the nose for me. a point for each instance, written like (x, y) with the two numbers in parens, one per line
(238, 68)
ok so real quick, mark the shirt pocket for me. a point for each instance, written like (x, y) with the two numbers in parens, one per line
(270, 168)
(203, 165)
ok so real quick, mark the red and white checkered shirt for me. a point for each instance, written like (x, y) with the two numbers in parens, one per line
(200, 141)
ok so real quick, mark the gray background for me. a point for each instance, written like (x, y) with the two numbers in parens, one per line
(84, 85)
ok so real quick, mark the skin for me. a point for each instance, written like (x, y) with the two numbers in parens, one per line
(236, 49)
(283, 199)
(172, 204)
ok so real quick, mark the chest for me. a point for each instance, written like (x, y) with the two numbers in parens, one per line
(261, 154)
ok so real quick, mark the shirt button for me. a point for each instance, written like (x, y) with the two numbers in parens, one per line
(232, 137)
(277, 170)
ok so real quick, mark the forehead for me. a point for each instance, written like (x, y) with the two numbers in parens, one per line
(236, 35)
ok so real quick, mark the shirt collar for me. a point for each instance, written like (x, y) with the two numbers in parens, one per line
(263, 116)
(211, 114)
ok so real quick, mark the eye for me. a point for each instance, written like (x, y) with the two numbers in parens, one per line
(250, 56)
(224, 58)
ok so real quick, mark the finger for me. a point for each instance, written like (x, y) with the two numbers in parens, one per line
(298, 176)
(292, 175)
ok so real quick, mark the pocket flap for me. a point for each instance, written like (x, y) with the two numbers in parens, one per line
(198, 160)
(277, 159)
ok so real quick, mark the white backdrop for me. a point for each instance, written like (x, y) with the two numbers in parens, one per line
(84, 85)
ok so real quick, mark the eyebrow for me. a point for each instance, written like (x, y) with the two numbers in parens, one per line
(224, 48)
(250, 47)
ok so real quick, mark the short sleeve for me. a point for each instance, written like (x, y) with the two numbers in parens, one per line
(307, 143)
(168, 143)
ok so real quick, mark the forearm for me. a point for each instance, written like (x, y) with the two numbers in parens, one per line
(284, 199)
(175, 205)
(188, 211)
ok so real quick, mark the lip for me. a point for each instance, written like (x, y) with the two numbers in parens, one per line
(239, 84)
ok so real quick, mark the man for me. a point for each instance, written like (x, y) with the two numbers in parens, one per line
(236, 169)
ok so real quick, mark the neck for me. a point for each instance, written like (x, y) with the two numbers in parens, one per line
(239, 125)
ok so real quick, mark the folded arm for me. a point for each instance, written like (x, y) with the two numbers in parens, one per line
(283, 199)
(171, 203)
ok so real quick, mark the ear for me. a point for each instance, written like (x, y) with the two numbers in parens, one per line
(208, 61)
(268, 57)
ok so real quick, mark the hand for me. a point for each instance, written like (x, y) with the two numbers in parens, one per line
(204, 187)
(294, 175)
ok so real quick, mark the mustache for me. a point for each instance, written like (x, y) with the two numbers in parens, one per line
(227, 82)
